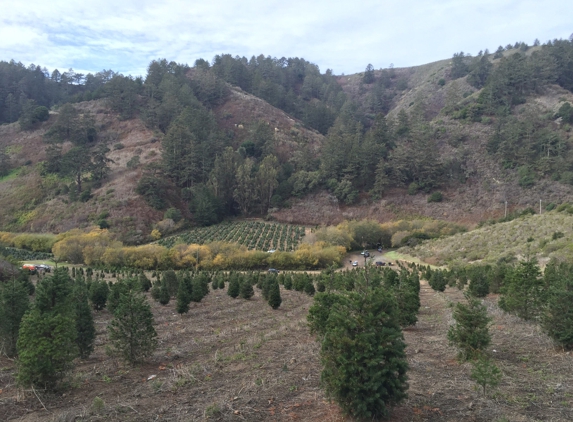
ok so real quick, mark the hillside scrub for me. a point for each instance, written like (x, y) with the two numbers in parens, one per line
(529, 235)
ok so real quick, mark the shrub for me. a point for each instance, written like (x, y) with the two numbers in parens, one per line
(435, 197)
(174, 214)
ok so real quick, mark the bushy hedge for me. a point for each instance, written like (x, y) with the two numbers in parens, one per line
(97, 248)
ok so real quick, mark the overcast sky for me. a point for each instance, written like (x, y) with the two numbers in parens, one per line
(125, 35)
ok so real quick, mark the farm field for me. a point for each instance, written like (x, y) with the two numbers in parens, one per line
(256, 235)
(234, 359)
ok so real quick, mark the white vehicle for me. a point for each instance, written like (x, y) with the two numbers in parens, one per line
(355, 264)
(271, 251)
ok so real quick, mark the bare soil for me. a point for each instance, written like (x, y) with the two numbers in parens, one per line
(232, 359)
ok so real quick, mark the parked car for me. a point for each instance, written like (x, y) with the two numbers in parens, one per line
(43, 267)
(366, 254)
(380, 263)
(271, 251)
(355, 264)
(30, 267)
(273, 271)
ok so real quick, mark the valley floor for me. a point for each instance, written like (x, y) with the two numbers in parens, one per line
(231, 360)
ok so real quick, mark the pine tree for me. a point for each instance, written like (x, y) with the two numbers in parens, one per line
(14, 303)
(234, 287)
(246, 289)
(46, 343)
(470, 334)
(131, 332)
(274, 299)
(84, 321)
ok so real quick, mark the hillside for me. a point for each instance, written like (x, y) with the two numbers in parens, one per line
(274, 137)
(544, 237)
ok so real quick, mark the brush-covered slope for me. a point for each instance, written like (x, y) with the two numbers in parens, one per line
(542, 236)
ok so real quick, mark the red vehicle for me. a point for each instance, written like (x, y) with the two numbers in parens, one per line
(29, 267)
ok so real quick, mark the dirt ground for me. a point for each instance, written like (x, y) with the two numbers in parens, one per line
(237, 360)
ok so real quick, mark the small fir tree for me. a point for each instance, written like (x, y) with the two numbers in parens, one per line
(234, 288)
(14, 302)
(470, 334)
(46, 343)
(85, 327)
(144, 282)
(131, 331)
(183, 297)
(557, 318)
(363, 351)
(246, 290)
(164, 296)
(485, 373)
(99, 292)
(309, 288)
(437, 281)
(274, 299)
(171, 282)
(523, 292)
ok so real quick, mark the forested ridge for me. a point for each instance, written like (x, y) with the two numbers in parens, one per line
(215, 164)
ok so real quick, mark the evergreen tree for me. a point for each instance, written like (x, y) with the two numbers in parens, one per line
(183, 297)
(309, 288)
(164, 296)
(363, 352)
(523, 291)
(46, 343)
(470, 333)
(99, 292)
(84, 321)
(144, 282)
(14, 303)
(234, 287)
(171, 282)
(131, 331)
(246, 290)
(274, 299)
(437, 281)
(557, 318)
